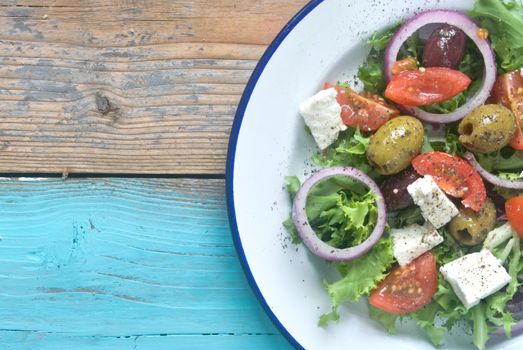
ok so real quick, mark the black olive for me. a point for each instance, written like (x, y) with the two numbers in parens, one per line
(444, 47)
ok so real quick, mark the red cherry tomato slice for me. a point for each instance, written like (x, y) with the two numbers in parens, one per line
(426, 86)
(514, 210)
(517, 140)
(454, 176)
(407, 288)
(404, 65)
(368, 112)
(508, 91)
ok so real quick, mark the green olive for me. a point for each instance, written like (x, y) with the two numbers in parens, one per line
(470, 228)
(487, 128)
(394, 145)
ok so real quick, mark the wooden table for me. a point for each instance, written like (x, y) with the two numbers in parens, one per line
(114, 123)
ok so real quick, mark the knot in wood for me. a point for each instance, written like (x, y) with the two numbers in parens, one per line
(103, 104)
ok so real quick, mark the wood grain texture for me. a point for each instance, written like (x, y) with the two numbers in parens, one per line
(127, 86)
(121, 264)
(52, 341)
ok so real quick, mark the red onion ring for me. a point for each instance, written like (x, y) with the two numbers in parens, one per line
(307, 234)
(464, 23)
(493, 179)
(516, 329)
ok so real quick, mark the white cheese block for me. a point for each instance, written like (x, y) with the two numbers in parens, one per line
(498, 236)
(322, 114)
(475, 276)
(435, 206)
(411, 241)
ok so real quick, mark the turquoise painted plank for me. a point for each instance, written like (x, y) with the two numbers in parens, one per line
(43, 341)
(94, 259)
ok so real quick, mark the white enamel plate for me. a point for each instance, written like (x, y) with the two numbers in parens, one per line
(323, 42)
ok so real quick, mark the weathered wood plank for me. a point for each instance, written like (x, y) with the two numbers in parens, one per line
(127, 86)
(99, 22)
(83, 262)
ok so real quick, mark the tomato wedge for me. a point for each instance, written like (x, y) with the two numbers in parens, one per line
(426, 86)
(508, 91)
(514, 210)
(368, 112)
(406, 64)
(454, 176)
(517, 140)
(407, 288)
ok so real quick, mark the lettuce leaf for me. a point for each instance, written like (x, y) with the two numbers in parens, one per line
(379, 40)
(349, 150)
(491, 312)
(291, 230)
(425, 318)
(453, 146)
(386, 319)
(509, 176)
(371, 71)
(480, 327)
(504, 160)
(359, 277)
(496, 304)
(451, 310)
(448, 250)
(292, 184)
(342, 212)
(504, 22)
(506, 163)
(405, 217)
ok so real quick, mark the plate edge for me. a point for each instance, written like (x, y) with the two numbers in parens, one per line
(231, 153)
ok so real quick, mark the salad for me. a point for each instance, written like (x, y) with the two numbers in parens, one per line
(419, 197)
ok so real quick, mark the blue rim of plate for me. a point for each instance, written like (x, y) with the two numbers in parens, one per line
(231, 153)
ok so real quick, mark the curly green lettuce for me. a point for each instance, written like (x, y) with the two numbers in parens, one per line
(504, 22)
(371, 73)
(359, 277)
(349, 150)
(405, 217)
(505, 160)
(341, 211)
(506, 163)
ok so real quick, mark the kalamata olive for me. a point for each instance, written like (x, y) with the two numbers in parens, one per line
(444, 47)
(394, 189)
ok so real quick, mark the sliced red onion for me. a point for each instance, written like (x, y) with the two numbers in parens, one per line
(515, 307)
(464, 23)
(493, 179)
(307, 234)
(516, 330)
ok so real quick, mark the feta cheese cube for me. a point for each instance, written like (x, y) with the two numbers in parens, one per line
(497, 236)
(435, 206)
(411, 241)
(475, 276)
(322, 114)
